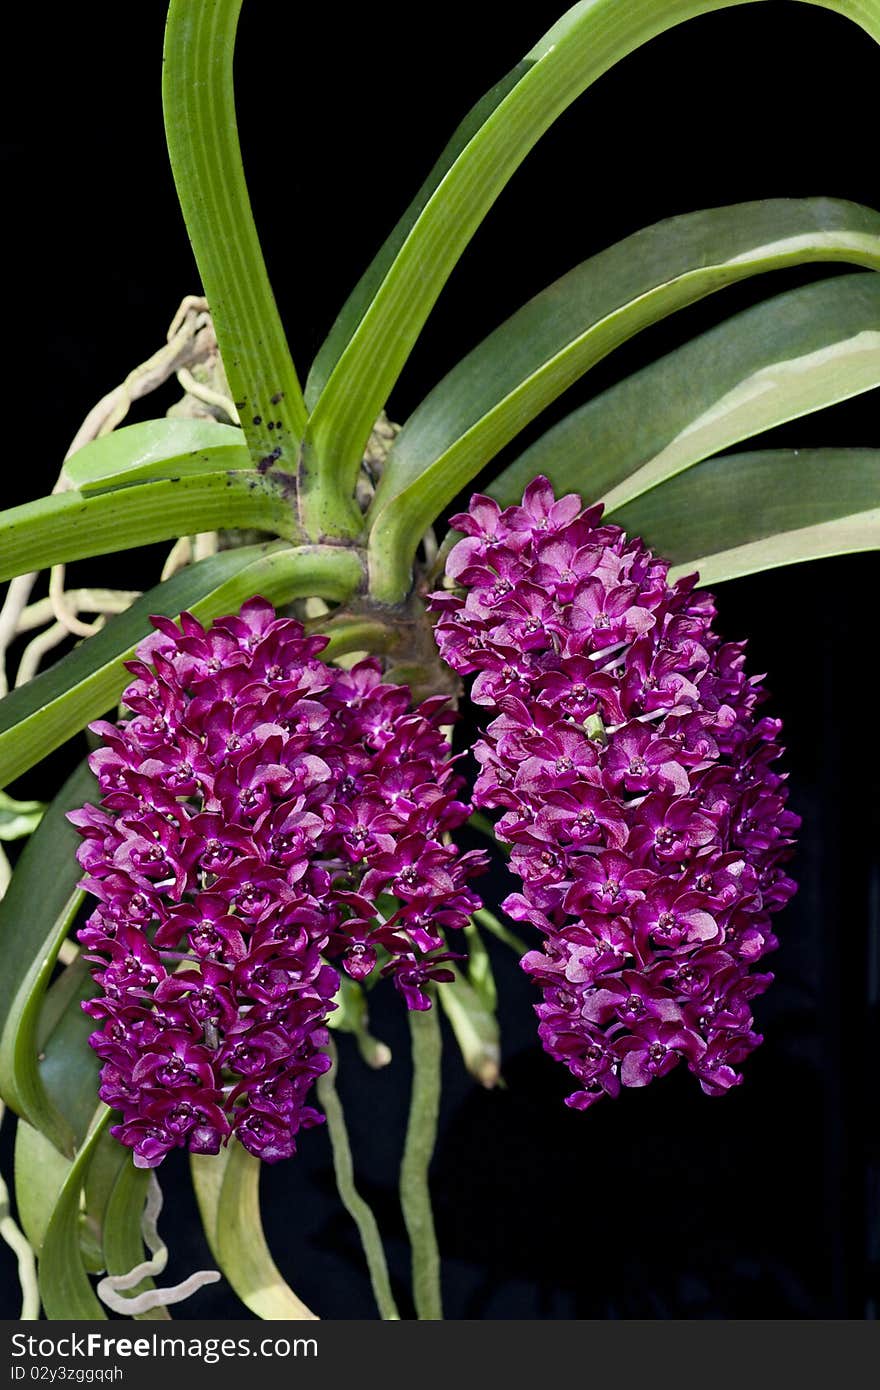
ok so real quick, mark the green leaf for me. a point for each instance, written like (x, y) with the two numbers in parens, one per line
(40, 1174)
(557, 336)
(18, 818)
(475, 1027)
(372, 345)
(122, 1240)
(68, 1074)
(68, 1066)
(352, 312)
(108, 1161)
(479, 968)
(42, 714)
(742, 513)
(790, 355)
(64, 1284)
(227, 1189)
(490, 923)
(155, 449)
(70, 526)
(206, 159)
(35, 917)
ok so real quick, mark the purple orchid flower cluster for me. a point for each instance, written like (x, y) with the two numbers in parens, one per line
(255, 809)
(636, 786)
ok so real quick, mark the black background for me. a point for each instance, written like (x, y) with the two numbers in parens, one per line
(665, 1203)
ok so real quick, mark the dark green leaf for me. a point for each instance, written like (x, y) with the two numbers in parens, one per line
(35, 916)
(741, 513)
(108, 1161)
(793, 354)
(364, 359)
(68, 1066)
(533, 357)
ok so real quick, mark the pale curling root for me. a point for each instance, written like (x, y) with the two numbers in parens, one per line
(110, 1287)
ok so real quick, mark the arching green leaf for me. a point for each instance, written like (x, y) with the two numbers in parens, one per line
(71, 526)
(790, 355)
(64, 1284)
(68, 1075)
(742, 513)
(544, 347)
(44, 713)
(165, 448)
(203, 144)
(35, 916)
(227, 1189)
(387, 312)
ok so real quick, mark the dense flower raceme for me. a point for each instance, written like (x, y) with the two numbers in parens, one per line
(256, 807)
(637, 788)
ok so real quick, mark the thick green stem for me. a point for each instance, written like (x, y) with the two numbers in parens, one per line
(421, 1136)
(357, 1208)
(357, 634)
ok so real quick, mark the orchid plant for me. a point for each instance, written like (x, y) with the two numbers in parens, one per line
(265, 825)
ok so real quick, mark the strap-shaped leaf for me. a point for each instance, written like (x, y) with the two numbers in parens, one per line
(741, 513)
(68, 1066)
(108, 1160)
(205, 155)
(368, 351)
(352, 312)
(71, 526)
(40, 1173)
(35, 916)
(557, 336)
(122, 1240)
(68, 1075)
(41, 715)
(793, 354)
(18, 819)
(165, 448)
(227, 1189)
(64, 1284)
